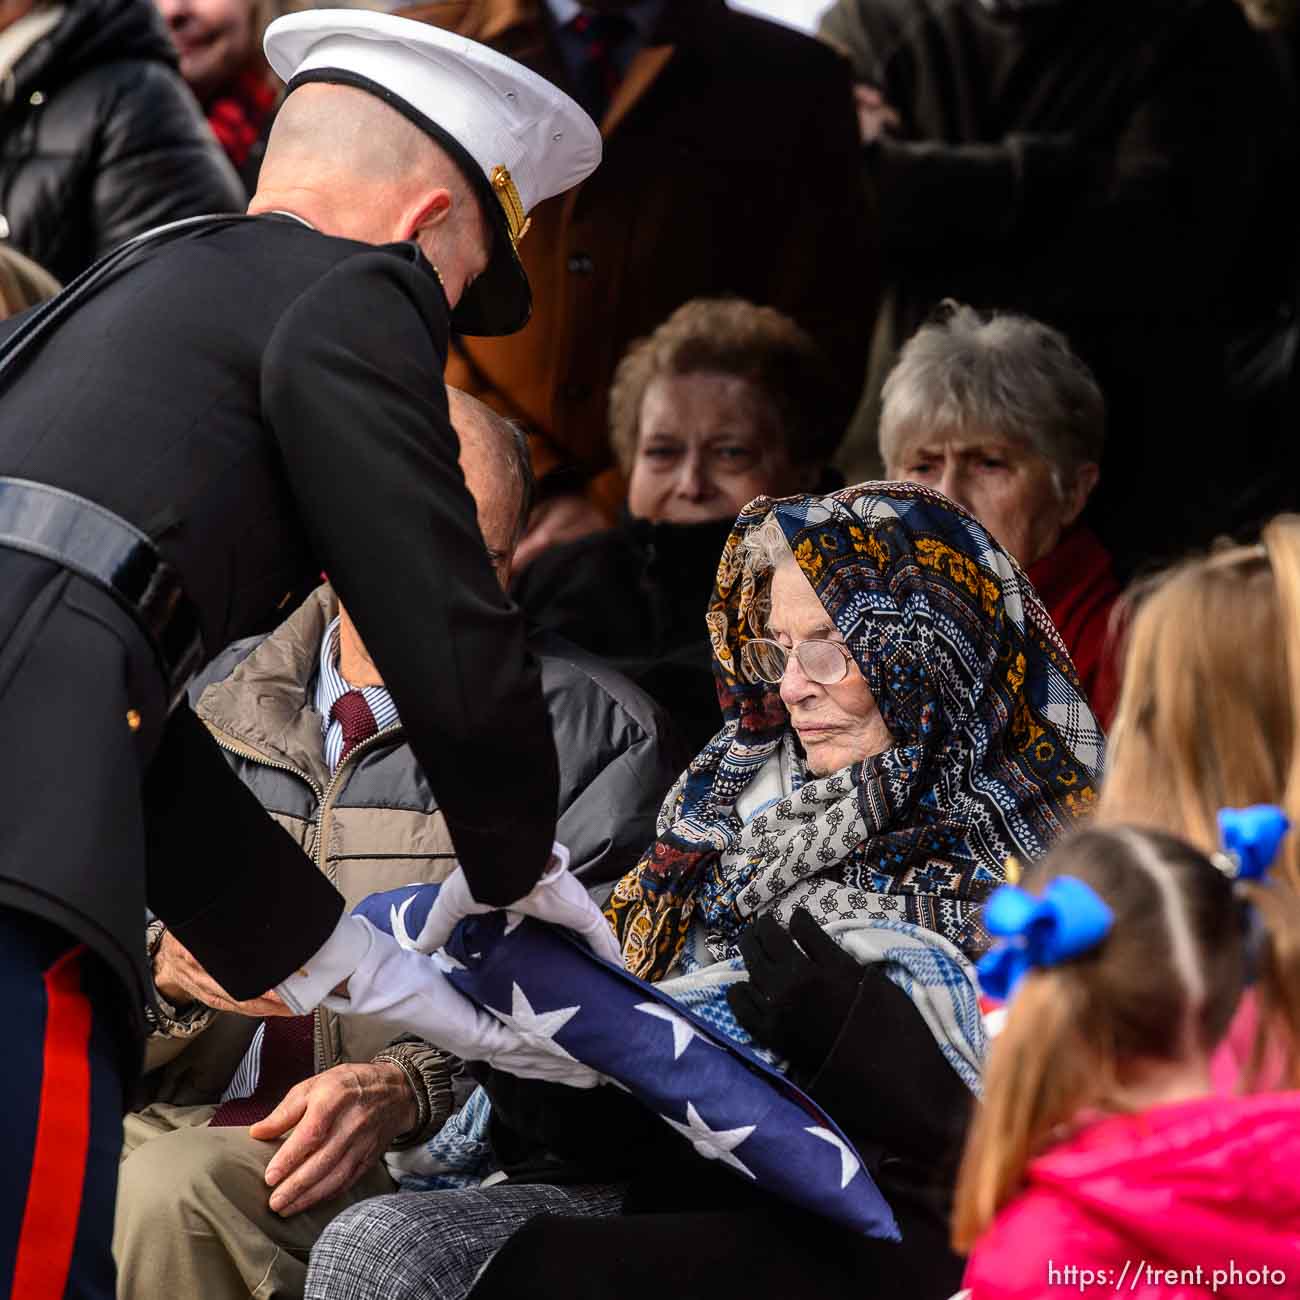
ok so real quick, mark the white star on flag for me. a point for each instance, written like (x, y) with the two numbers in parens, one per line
(683, 1030)
(397, 923)
(849, 1163)
(536, 1027)
(711, 1145)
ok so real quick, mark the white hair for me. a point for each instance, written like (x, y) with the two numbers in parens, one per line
(766, 547)
(1004, 374)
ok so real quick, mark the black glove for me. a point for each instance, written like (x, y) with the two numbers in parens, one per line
(888, 1074)
(799, 994)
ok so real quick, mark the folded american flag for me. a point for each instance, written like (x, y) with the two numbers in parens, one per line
(729, 1104)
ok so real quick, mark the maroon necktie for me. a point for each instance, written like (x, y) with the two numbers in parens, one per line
(599, 74)
(353, 713)
(288, 1057)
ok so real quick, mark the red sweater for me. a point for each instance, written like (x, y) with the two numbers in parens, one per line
(1076, 582)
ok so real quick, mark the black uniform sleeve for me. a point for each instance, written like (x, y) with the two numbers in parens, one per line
(238, 892)
(352, 389)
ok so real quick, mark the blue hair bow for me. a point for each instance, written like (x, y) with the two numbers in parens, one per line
(1067, 921)
(1250, 839)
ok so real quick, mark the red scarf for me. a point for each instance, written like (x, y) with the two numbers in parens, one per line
(1078, 585)
(237, 118)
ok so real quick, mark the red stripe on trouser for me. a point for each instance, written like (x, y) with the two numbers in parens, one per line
(49, 1231)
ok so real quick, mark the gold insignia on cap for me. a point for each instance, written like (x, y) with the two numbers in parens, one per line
(517, 219)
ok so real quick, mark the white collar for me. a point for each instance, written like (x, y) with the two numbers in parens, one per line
(284, 212)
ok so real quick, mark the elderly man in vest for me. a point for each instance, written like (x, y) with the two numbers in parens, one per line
(208, 1205)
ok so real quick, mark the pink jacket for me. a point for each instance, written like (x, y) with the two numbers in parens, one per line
(1209, 1189)
(1228, 1066)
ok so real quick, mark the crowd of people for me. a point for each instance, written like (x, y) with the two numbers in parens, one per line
(759, 503)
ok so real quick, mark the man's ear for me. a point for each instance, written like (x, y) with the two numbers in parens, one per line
(430, 209)
(1077, 494)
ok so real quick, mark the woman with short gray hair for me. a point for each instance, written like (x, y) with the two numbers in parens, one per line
(999, 414)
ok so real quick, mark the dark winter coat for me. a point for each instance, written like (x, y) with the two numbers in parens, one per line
(375, 824)
(636, 596)
(100, 139)
(1122, 169)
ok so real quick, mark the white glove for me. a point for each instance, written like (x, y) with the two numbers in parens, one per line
(328, 967)
(558, 897)
(406, 986)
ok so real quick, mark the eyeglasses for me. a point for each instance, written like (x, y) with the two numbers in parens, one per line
(823, 662)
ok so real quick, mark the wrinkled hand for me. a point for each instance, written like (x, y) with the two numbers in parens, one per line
(801, 988)
(561, 519)
(875, 116)
(179, 977)
(343, 1121)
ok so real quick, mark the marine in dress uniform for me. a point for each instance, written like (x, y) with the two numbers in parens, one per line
(184, 446)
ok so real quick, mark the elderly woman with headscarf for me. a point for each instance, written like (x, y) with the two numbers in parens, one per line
(1003, 418)
(899, 718)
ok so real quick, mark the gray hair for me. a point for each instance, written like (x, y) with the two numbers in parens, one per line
(764, 550)
(1004, 373)
(513, 439)
(766, 546)
(521, 467)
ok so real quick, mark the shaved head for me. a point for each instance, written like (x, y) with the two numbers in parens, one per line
(351, 165)
(324, 127)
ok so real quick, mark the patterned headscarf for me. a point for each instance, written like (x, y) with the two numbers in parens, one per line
(995, 751)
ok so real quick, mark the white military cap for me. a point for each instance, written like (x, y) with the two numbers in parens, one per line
(517, 137)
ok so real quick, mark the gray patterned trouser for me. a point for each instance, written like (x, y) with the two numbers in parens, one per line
(433, 1245)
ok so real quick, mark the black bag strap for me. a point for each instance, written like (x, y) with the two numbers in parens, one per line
(42, 320)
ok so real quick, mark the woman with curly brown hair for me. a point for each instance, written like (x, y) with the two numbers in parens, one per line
(724, 402)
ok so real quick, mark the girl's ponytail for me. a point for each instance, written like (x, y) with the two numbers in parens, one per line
(1281, 543)
(1273, 957)
(1042, 1070)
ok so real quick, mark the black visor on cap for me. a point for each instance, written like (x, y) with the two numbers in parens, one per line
(500, 300)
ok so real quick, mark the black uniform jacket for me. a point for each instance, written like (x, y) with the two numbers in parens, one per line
(266, 402)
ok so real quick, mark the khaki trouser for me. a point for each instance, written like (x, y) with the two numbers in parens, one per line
(193, 1222)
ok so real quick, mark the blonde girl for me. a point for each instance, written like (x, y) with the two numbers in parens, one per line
(1100, 1142)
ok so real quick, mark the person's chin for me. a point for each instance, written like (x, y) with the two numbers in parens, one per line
(820, 753)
